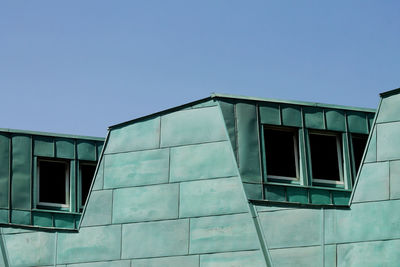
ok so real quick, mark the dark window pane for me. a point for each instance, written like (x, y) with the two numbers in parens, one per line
(359, 143)
(87, 172)
(324, 157)
(280, 152)
(52, 182)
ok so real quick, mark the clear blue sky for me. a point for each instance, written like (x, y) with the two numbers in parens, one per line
(80, 66)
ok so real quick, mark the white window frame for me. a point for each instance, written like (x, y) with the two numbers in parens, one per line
(339, 151)
(296, 153)
(67, 185)
(94, 164)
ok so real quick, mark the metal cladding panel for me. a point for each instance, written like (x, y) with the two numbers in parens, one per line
(86, 150)
(99, 146)
(118, 263)
(146, 203)
(357, 122)
(155, 239)
(4, 214)
(364, 222)
(291, 115)
(183, 261)
(377, 253)
(387, 141)
(314, 118)
(330, 256)
(390, 109)
(99, 179)
(65, 148)
(222, 234)
(21, 217)
(21, 172)
(204, 161)
(4, 170)
(371, 149)
(320, 197)
(299, 257)
(242, 258)
(98, 211)
(65, 221)
(335, 120)
(30, 249)
(275, 193)
(253, 191)
(340, 198)
(297, 194)
(138, 136)
(374, 184)
(270, 113)
(44, 219)
(282, 227)
(228, 112)
(192, 126)
(371, 118)
(211, 197)
(394, 179)
(248, 143)
(98, 243)
(136, 168)
(43, 146)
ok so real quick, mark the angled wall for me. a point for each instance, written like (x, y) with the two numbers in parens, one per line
(365, 234)
(167, 193)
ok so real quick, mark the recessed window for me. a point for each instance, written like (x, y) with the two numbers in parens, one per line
(326, 158)
(359, 142)
(53, 180)
(281, 150)
(86, 176)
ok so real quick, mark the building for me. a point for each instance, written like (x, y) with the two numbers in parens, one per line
(223, 181)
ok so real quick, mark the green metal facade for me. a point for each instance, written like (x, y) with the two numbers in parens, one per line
(19, 155)
(188, 187)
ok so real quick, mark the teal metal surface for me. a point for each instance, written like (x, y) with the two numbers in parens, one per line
(4, 171)
(33, 256)
(149, 203)
(19, 154)
(249, 116)
(134, 168)
(212, 160)
(248, 140)
(155, 239)
(301, 103)
(222, 234)
(242, 258)
(228, 111)
(204, 198)
(187, 261)
(21, 172)
(142, 135)
(185, 204)
(178, 128)
(98, 243)
(99, 208)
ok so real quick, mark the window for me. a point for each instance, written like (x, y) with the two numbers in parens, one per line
(281, 149)
(359, 142)
(86, 176)
(326, 158)
(53, 183)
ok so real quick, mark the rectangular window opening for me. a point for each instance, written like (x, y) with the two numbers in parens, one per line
(87, 171)
(326, 158)
(53, 183)
(281, 153)
(359, 143)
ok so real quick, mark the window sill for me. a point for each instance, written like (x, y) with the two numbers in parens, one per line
(306, 195)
